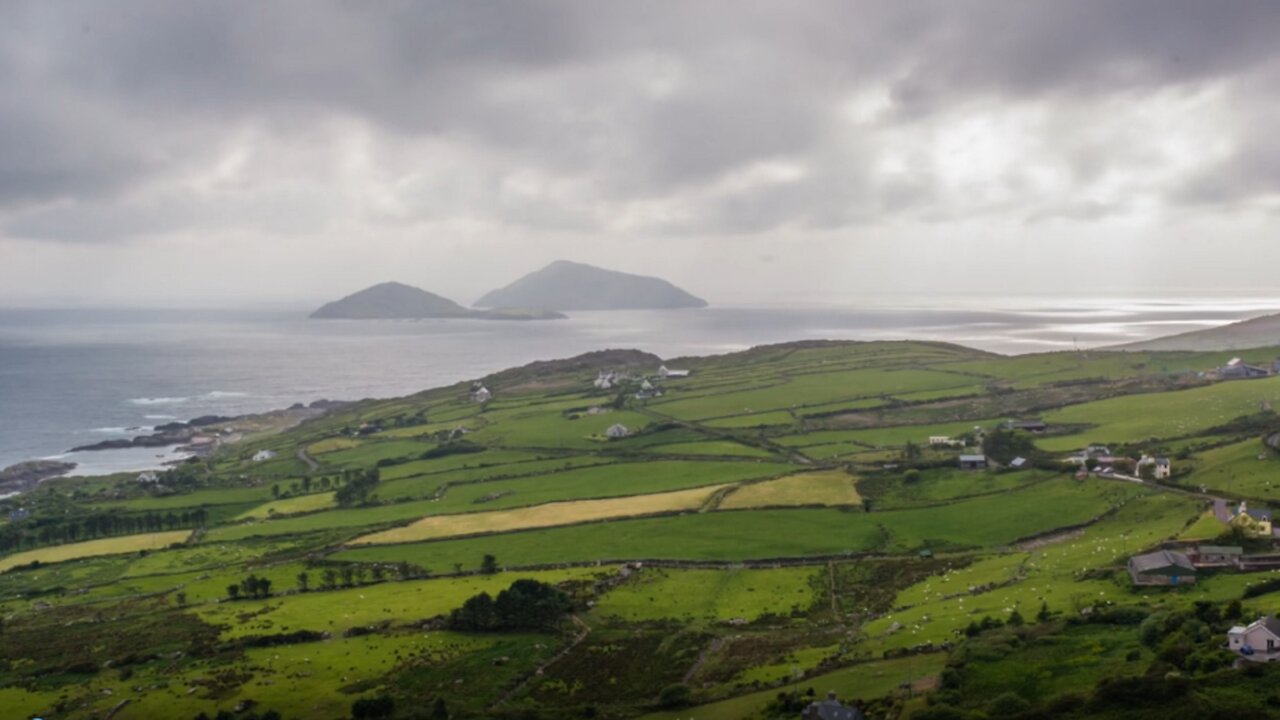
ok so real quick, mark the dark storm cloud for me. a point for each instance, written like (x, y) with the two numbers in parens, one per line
(639, 101)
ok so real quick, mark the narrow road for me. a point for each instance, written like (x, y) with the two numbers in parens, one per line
(302, 455)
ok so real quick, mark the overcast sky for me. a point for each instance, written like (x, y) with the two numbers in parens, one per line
(211, 153)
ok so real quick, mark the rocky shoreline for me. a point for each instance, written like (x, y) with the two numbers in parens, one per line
(26, 475)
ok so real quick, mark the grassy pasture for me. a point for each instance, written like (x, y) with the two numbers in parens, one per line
(708, 595)
(746, 534)
(92, 548)
(942, 485)
(1236, 469)
(1161, 415)
(418, 486)
(813, 389)
(751, 420)
(489, 459)
(828, 487)
(289, 506)
(864, 681)
(338, 610)
(554, 430)
(549, 515)
(711, 448)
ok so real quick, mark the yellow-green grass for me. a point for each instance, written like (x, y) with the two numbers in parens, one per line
(827, 487)
(93, 548)
(864, 682)
(987, 521)
(712, 448)
(785, 668)
(332, 444)
(338, 610)
(539, 516)
(1161, 415)
(289, 506)
(935, 608)
(811, 389)
(1247, 469)
(1206, 527)
(20, 703)
(709, 595)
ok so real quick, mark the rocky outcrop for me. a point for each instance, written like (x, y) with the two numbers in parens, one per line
(26, 475)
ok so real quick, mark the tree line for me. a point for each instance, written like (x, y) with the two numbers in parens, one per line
(38, 532)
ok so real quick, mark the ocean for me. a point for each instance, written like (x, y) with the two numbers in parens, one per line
(73, 377)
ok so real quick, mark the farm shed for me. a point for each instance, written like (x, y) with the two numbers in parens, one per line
(1163, 567)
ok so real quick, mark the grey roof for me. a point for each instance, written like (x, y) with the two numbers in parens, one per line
(973, 458)
(833, 710)
(1220, 550)
(1257, 514)
(1160, 559)
(1271, 623)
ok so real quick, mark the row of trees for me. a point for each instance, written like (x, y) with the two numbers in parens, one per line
(38, 532)
(250, 587)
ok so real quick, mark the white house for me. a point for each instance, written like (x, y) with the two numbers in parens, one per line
(944, 441)
(646, 385)
(1160, 468)
(1259, 641)
(605, 380)
(666, 372)
(617, 431)
(481, 395)
(263, 455)
(149, 478)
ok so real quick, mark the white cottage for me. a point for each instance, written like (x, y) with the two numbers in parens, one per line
(617, 431)
(1258, 641)
(263, 455)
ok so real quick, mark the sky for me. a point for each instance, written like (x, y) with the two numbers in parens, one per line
(212, 153)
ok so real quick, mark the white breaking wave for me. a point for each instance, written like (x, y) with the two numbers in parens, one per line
(161, 417)
(158, 400)
(226, 394)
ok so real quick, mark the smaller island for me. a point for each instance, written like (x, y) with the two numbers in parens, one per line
(397, 301)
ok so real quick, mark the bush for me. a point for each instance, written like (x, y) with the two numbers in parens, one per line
(1009, 703)
(372, 708)
(676, 695)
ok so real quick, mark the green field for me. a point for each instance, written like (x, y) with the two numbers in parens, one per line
(763, 529)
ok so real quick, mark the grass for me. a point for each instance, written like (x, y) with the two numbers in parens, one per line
(1236, 469)
(289, 506)
(712, 448)
(864, 681)
(753, 534)
(93, 548)
(1134, 418)
(708, 595)
(339, 610)
(538, 516)
(828, 487)
(941, 485)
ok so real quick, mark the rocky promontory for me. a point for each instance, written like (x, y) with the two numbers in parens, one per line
(26, 475)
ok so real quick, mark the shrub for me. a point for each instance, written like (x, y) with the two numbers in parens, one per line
(676, 695)
(1007, 704)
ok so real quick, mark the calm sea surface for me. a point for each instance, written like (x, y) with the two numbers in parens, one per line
(72, 377)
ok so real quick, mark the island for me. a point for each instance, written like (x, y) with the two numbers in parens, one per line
(565, 285)
(397, 301)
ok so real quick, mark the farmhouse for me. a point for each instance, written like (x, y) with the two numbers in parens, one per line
(831, 709)
(1154, 467)
(973, 462)
(1237, 369)
(149, 478)
(1216, 556)
(605, 380)
(481, 395)
(1259, 641)
(1256, 522)
(1162, 567)
(944, 441)
(666, 372)
(617, 431)
(263, 455)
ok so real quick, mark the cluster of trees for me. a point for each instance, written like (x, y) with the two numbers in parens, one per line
(40, 531)
(250, 587)
(525, 605)
(357, 487)
(352, 575)
(306, 485)
(1004, 445)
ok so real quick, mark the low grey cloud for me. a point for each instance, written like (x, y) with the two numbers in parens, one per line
(144, 119)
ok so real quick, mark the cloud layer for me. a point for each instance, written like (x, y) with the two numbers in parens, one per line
(489, 137)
